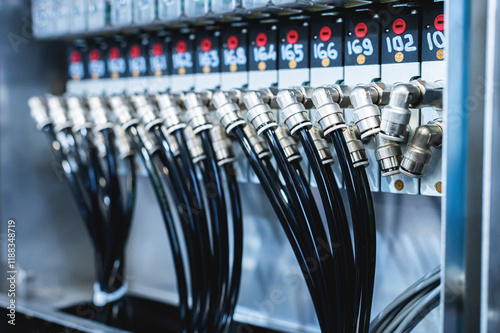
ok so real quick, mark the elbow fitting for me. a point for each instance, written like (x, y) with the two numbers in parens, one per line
(38, 112)
(321, 145)
(355, 146)
(388, 155)
(122, 143)
(288, 144)
(194, 145)
(227, 111)
(418, 153)
(259, 113)
(57, 111)
(258, 143)
(328, 113)
(99, 113)
(122, 111)
(145, 111)
(366, 113)
(293, 112)
(222, 145)
(77, 112)
(196, 112)
(170, 111)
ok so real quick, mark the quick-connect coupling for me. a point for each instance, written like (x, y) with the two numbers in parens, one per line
(145, 111)
(418, 153)
(328, 113)
(355, 146)
(170, 111)
(259, 113)
(227, 111)
(321, 145)
(57, 111)
(196, 112)
(123, 111)
(388, 155)
(258, 143)
(288, 143)
(194, 145)
(77, 112)
(366, 113)
(293, 112)
(222, 145)
(99, 113)
(122, 143)
(38, 112)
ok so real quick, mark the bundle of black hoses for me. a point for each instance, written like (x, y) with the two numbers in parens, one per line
(105, 203)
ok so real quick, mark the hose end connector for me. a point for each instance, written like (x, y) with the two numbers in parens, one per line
(123, 111)
(170, 111)
(222, 145)
(122, 142)
(293, 112)
(57, 111)
(194, 145)
(196, 112)
(227, 111)
(145, 111)
(328, 113)
(99, 113)
(259, 113)
(388, 155)
(355, 146)
(258, 143)
(366, 114)
(38, 111)
(77, 112)
(321, 145)
(288, 143)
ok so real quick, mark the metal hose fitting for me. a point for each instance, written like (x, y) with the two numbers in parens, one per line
(38, 111)
(355, 146)
(257, 142)
(288, 144)
(222, 145)
(122, 142)
(123, 111)
(99, 113)
(321, 145)
(418, 153)
(388, 155)
(396, 115)
(196, 112)
(170, 111)
(194, 145)
(227, 111)
(328, 113)
(259, 113)
(145, 111)
(77, 112)
(57, 112)
(293, 112)
(149, 141)
(366, 113)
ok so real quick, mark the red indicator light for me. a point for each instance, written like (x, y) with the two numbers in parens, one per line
(325, 34)
(181, 46)
(206, 44)
(361, 30)
(439, 22)
(261, 39)
(292, 36)
(399, 26)
(75, 57)
(94, 55)
(135, 51)
(232, 42)
(114, 53)
(157, 49)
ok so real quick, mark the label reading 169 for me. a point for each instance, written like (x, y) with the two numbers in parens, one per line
(357, 46)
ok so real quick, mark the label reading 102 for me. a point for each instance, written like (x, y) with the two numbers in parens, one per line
(401, 43)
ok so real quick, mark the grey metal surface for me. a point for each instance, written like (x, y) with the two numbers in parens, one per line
(463, 165)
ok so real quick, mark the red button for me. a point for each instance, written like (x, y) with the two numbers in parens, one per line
(399, 26)
(361, 30)
(292, 36)
(206, 44)
(261, 39)
(114, 53)
(439, 22)
(94, 55)
(181, 46)
(157, 49)
(135, 51)
(75, 57)
(232, 42)
(325, 34)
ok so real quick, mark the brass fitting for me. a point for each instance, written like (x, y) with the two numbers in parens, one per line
(355, 146)
(288, 144)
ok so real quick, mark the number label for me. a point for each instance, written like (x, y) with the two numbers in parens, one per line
(401, 43)
(210, 58)
(182, 60)
(263, 54)
(360, 47)
(138, 65)
(321, 51)
(158, 63)
(435, 40)
(97, 68)
(291, 52)
(117, 65)
(235, 57)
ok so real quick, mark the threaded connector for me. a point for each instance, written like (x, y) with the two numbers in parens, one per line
(259, 113)
(328, 113)
(321, 145)
(99, 113)
(257, 142)
(57, 111)
(355, 146)
(123, 111)
(288, 143)
(418, 153)
(77, 112)
(123, 145)
(293, 112)
(196, 112)
(145, 111)
(227, 111)
(366, 114)
(194, 145)
(388, 155)
(38, 111)
(222, 145)
(170, 111)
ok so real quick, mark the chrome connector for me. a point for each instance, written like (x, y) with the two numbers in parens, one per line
(366, 113)
(99, 113)
(123, 145)
(123, 111)
(259, 113)
(418, 153)
(222, 145)
(355, 146)
(227, 111)
(98, 140)
(388, 155)
(145, 111)
(328, 113)
(321, 145)
(57, 111)
(148, 140)
(257, 142)
(77, 112)
(288, 144)
(170, 111)
(292, 111)
(196, 112)
(194, 145)
(396, 115)
(38, 112)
